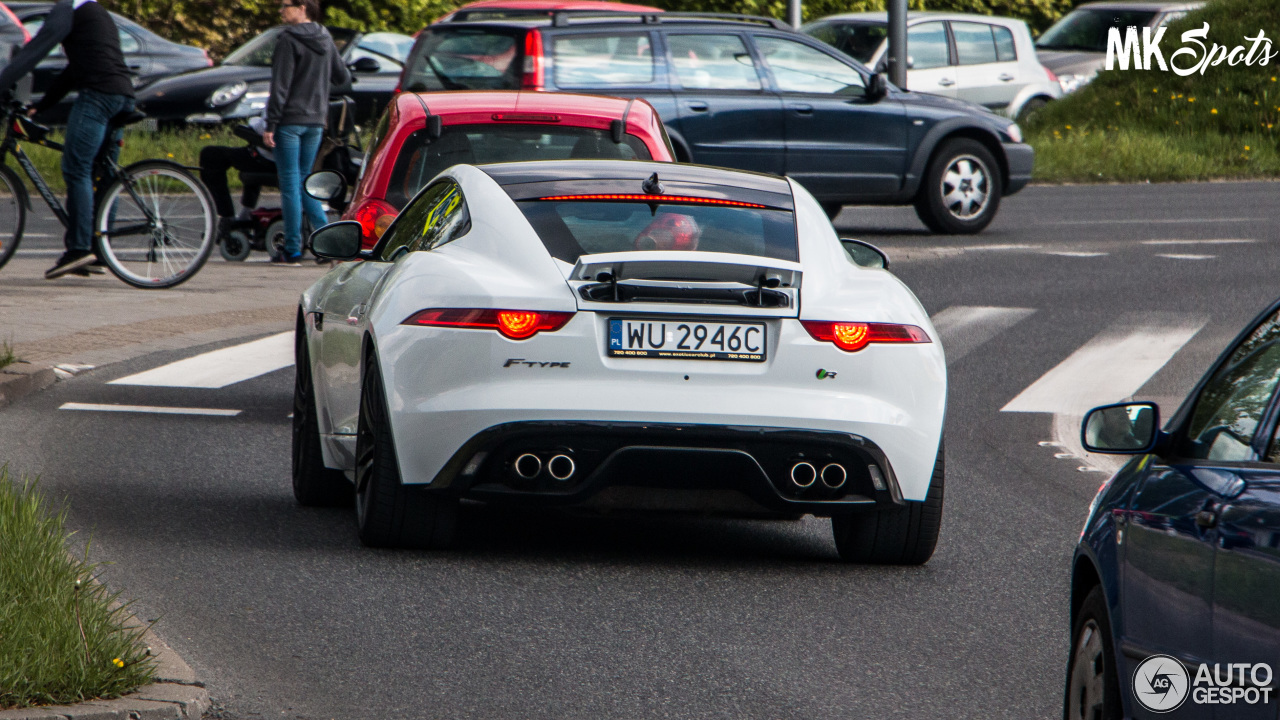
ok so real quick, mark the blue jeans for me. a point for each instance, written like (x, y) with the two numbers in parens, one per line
(295, 153)
(86, 131)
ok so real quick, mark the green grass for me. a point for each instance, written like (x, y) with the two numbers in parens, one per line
(181, 146)
(7, 357)
(1136, 125)
(63, 637)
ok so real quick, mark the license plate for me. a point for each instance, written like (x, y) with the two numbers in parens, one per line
(686, 339)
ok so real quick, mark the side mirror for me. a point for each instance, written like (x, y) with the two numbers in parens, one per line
(337, 241)
(865, 254)
(366, 64)
(878, 87)
(1124, 429)
(325, 185)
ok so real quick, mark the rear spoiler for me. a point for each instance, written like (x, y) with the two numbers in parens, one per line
(687, 276)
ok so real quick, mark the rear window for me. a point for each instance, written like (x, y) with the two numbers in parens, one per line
(422, 158)
(470, 58)
(571, 228)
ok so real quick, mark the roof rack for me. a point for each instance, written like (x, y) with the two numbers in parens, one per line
(562, 18)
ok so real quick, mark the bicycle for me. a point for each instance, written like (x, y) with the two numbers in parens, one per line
(153, 220)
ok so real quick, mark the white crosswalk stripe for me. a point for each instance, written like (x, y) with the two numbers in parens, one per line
(220, 368)
(962, 328)
(1112, 366)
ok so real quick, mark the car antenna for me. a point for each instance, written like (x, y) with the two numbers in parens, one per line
(435, 124)
(618, 128)
(652, 186)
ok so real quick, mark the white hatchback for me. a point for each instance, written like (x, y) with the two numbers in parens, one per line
(986, 60)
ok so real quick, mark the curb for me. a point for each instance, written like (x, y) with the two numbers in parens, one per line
(175, 695)
(21, 379)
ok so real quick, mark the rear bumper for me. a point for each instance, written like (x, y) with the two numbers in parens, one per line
(1021, 157)
(733, 470)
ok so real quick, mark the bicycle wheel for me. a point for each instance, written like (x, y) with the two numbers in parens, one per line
(13, 213)
(155, 226)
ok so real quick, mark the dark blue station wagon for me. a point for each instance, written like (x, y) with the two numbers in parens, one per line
(751, 94)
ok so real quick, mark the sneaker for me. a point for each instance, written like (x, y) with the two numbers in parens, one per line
(287, 260)
(70, 261)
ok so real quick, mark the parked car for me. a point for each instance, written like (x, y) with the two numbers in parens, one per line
(1075, 47)
(753, 94)
(12, 37)
(422, 134)
(149, 56)
(238, 87)
(1180, 555)
(507, 9)
(986, 60)
(617, 335)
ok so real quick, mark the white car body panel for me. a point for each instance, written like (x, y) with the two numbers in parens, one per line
(446, 385)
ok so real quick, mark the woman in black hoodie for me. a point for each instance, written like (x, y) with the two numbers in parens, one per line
(305, 64)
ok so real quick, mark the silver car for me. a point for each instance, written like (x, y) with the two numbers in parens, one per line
(1075, 47)
(986, 60)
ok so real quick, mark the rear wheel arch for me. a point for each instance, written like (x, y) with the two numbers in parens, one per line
(680, 147)
(938, 137)
(1084, 578)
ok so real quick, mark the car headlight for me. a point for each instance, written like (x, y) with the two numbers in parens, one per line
(1072, 83)
(1014, 132)
(227, 94)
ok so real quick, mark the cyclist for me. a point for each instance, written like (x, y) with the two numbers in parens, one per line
(96, 68)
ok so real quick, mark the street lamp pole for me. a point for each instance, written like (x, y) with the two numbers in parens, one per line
(793, 13)
(897, 42)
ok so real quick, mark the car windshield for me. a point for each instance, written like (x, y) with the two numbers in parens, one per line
(471, 58)
(859, 41)
(422, 158)
(571, 228)
(1086, 29)
(258, 51)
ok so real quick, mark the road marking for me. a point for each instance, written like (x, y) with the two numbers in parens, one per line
(96, 407)
(1074, 253)
(962, 328)
(1110, 367)
(220, 368)
(1219, 241)
(974, 248)
(1185, 256)
(1153, 222)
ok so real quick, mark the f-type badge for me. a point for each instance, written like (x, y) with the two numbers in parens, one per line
(534, 363)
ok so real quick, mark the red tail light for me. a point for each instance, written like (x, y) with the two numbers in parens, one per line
(533, 65)
(852, 337)
(1052, 76)
(515, 324)
(374, 216)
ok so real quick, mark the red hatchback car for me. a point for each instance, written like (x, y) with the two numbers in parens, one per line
(421, 134)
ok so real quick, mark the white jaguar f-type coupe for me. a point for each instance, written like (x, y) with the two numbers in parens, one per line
(617, 335)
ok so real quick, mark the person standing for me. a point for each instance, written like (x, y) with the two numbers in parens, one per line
(305, 64)
(96, 68)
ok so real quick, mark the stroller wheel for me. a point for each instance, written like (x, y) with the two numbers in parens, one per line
(274, 240)
(235, 246)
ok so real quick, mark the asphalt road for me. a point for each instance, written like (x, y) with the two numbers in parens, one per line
(283, 613)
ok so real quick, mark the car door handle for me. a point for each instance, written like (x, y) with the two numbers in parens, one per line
(1005, 77)
(1207, 519)
(803, 109)
(946, 82)
(698, 106)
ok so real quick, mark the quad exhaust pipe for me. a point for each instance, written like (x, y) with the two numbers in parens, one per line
(529, 466)
(833, 475)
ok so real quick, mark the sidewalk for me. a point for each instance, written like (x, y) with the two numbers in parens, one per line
(99, 320)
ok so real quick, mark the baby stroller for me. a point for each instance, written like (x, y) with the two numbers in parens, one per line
(264, 228)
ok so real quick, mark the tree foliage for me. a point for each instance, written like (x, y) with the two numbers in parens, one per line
(220, 26)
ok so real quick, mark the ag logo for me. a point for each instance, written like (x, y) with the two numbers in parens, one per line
(1160, 684)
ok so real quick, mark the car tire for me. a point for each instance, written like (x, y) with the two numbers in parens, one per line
(961, 189)
(314, 485)
(1093, 685)
(1030, 108)
(896, 535)
(388, 512)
